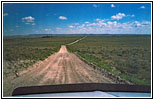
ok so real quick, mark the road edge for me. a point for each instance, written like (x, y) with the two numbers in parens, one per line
(113, 77)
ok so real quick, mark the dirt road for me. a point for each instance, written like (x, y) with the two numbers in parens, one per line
(60, 68)
(76, 41)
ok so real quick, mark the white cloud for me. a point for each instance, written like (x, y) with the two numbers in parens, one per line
(138, 24)
(46, 29)
(112, 23)
(76, 24)
(111, 27)
(87, 22)
(131, 15)
(28, 19)
(5, 14)
(141, 24)
(118, 16)
(145, 23)
(101, 20)
(95, 6)
(100, 23)
(142, 7)
(98, 19)
(71, 26)
(112, 5)
(83, 25)
(91, 24)
(62, 18)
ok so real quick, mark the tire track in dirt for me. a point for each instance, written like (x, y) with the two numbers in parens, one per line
(61, 68)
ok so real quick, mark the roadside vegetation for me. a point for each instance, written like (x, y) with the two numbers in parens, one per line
(21, 52)
(27, 51)
(126, 56)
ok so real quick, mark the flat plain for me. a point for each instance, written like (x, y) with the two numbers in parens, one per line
(128, 57)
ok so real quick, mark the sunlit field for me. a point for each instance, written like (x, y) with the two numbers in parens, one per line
(126, 56)
(21, 52)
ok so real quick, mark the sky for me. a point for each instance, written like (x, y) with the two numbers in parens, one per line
(76, 18)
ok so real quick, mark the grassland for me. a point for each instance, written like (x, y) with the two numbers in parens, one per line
(126, 56)
(21, 52)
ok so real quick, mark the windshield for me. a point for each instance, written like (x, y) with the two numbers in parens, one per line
(73, 43)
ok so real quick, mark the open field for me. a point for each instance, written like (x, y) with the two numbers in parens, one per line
(126, 56)
(34, 61)
(21, 52)
(59, 68)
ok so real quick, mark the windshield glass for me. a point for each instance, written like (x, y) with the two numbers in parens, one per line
(72, 43)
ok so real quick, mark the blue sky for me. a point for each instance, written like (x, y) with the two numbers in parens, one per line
(76, 18)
